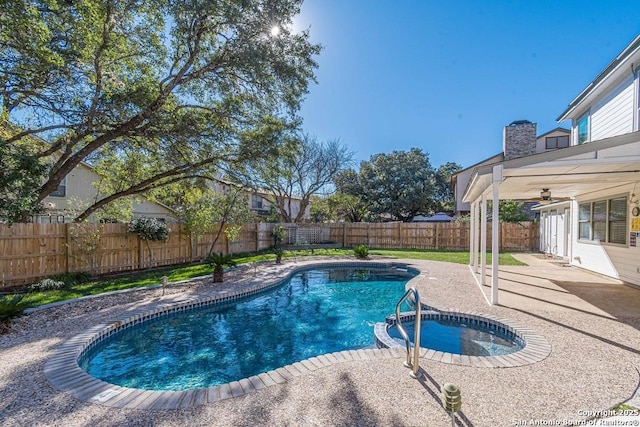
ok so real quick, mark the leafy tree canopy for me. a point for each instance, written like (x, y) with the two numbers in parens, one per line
(206, 211)
(158, 88)
(398, 186)
(290, 180)
(444, 191)
(512, 211)
(339, 207)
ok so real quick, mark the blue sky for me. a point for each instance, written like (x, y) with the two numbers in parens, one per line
(447, 76)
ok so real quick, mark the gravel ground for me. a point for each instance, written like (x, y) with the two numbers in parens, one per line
(592, 323)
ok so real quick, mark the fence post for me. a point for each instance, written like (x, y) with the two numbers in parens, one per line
(437, 232)
(139, 252)
(67, 245)
(344, 234)
(257, 227)
(190, 244)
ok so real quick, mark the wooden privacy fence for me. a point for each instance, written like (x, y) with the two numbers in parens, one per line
(29, 252)
(515, 237)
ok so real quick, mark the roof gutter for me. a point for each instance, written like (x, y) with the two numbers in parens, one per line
(613, 66)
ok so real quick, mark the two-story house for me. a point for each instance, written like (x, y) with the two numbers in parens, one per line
(77, 191)
(589, 192)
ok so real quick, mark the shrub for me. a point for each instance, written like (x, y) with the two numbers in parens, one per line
(72, 279)
(218, 262)
(361, 251)
(11, 306)
(46, 285)
(278, 233)
(279, 252)
(149, 229)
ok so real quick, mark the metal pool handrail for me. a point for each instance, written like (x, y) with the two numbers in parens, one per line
(415, 373)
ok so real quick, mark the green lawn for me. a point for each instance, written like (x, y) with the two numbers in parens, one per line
(146, 278)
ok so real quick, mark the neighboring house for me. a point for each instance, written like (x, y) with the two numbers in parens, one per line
(589, 192)
(259, 200)
(76, 192)
(519, 140)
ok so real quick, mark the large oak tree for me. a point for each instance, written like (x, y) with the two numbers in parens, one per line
(161, 89)
(399, 185)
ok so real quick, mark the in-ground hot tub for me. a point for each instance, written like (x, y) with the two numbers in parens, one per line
(467, 339)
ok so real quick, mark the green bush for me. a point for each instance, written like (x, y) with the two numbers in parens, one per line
(278, 233)
(72, 279)
(11, 306)
(149, 229)
(361, 251)
(47, 285)
(219, 262)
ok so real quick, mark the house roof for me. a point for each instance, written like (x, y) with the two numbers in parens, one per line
(613, 71)
(574, 171)
(490, 160)
(500, 156)
(438, 217)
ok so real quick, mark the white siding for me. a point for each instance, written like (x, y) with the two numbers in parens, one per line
(613, 261)
(619, 261)
(613, 114)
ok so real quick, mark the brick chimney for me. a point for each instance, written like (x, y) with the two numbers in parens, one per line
(519, 139)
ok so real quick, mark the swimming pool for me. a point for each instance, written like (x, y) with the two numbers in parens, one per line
(317, 311)
(63, 372)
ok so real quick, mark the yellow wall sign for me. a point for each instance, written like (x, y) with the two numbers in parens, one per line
(635, 224)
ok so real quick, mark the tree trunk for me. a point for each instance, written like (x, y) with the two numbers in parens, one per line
(218, 274)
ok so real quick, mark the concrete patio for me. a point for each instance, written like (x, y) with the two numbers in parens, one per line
(591, 322)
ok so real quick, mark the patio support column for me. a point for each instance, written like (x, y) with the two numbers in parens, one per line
(495, 233)
(473, 241)
(483, 241)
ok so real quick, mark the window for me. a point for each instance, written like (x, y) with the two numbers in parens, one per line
(552, 142)
(618, 220)
(256, 201)
(583, 129)
(599, 221)
(61, 191)
(584, 221)
(637, 101)
(603, 221)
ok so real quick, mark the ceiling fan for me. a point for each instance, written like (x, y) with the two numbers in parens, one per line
(545, 198)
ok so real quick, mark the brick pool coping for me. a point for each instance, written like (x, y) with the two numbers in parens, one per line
(64, 373)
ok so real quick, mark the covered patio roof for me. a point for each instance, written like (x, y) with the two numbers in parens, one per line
(568, 172)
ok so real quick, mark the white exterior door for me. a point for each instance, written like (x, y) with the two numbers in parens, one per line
(567, 232)
(553, 232)
(544, 226)
(560, 235)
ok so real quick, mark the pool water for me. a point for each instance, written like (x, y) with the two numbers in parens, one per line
(459, 338)
(316, 312)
